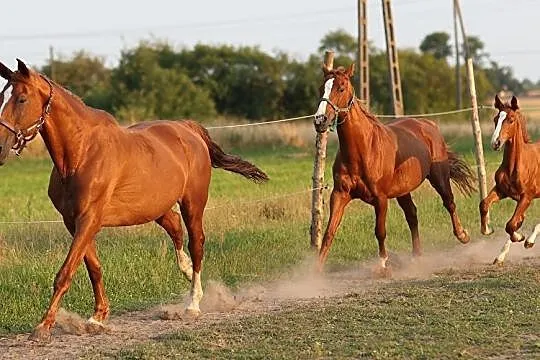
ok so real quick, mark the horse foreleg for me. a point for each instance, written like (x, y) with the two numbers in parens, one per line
(491, 198)
(409, 209)
(86, 229)
(517, 218)
(381, 208)
(512, 225)
(529, 243)
(101, 306)
(338, 201)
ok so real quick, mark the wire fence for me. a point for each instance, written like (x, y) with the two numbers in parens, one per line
(295, 193)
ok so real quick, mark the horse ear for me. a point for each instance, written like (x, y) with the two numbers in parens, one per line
(5, 72)
(21, 67)
(514, 103)
(498, 103)
(350, 70)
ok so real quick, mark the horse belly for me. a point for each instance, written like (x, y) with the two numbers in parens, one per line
(407, 177)
(145, 201)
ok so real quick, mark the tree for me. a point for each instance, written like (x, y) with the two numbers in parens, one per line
(243, 81)
(341, 42)
(502, 77)
(437, 44)
(476, 50)
(86, 76)
(145, 90)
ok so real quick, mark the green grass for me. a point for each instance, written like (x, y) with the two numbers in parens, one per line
(246, 240)
(489, 314)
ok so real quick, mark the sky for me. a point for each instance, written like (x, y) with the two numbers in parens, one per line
(509, 29)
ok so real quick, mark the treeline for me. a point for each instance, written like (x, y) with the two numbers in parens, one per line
(156, 81)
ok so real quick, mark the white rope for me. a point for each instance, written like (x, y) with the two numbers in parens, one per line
(208, 208)
(270, 198)
(259, 123)
(30, 222)
(427, 114)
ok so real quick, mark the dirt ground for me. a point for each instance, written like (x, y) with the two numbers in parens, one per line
(71, 338)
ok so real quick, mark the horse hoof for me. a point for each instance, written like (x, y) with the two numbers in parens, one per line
(383, 272)
(487, 231)
(464, 237)
(498, 262)
(517, 237)
(192, 313)
(528, 245)
(40, 334)
(95, 327)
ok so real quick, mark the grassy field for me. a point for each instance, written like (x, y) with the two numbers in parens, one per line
(490, 313)
(248, 239)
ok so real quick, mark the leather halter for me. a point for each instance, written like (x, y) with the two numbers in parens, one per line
(23, 136)
(337, 110)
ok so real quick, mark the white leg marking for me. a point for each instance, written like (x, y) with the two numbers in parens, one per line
(321, 110)
(184, 263)
(504, 251)
(95, 322)
(383, 262)
(196, 293)
(497, 132)
(532, 238)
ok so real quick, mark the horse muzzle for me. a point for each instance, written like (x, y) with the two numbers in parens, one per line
(321, 123)
(497, 145)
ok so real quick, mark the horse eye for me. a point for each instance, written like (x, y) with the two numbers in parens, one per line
(21, 100)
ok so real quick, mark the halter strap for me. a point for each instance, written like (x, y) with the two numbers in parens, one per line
(338, 110)
(22, 136)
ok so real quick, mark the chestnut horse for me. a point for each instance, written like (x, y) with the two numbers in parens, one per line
(377, 162)
(518, 176)
(105, 175)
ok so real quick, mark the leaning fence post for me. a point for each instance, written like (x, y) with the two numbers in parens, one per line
(318, 175)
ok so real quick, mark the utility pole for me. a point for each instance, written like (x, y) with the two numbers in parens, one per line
(458, 65)
(393, 63)
(51, 63)
(363, 53)
(477, 132)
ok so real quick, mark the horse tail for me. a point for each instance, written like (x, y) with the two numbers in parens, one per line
(225, 161)
(461, 174)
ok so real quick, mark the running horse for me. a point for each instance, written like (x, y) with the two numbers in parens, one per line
(518, 176)
(377, 162)
(105, 175)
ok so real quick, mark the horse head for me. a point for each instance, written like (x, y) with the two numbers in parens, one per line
(337, 97)
(25, 110)
(509, 122)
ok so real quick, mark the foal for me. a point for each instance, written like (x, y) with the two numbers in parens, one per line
(105, 175)
(518, 176)
(378, 162)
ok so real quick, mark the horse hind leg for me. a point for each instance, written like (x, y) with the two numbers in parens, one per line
(170, 222)
(529, 243)
(409, 209)
(192, 210)
(439, 177)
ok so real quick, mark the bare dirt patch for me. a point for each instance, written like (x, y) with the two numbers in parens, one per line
(72, 337)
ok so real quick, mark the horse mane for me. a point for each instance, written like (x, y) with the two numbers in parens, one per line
(523, 124)
(70, 95)
(341, 71)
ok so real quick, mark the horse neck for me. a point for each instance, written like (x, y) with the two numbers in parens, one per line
(64, 130)
(355, 131)
(513, 149)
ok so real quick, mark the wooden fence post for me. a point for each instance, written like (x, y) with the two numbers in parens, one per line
(318, 175)
(477, 132)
